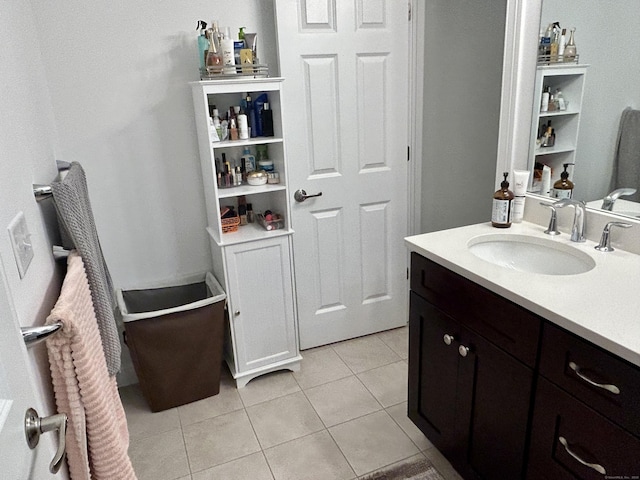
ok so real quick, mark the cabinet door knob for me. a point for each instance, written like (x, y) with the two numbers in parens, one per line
(448, 339)
(463, 351)
(582, 376)
(237, 312)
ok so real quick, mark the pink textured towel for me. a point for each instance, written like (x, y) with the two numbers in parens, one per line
(97, 435)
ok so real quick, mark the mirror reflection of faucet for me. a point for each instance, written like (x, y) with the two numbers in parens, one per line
(609, 200)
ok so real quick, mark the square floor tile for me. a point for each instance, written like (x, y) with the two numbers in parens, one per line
(227, 400)
(141, 421)
(251, 467)
(320, 366)
(160, 457)
(365, 353)
(342, 400)
(267, 387)
(397, 340)
(388, 384)
(399, 414)
(219, 440)
(283, 419)
(314, 457)
(373, 441)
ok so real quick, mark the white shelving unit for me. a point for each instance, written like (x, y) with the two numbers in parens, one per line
(566, 123)
(254, 265)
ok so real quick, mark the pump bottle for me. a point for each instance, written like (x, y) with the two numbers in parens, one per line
(502, 205)
(563, 188)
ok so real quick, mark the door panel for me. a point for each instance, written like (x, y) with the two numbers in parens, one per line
(16, 395)
(345, 107)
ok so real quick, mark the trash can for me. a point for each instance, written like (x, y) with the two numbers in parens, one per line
(175, 337)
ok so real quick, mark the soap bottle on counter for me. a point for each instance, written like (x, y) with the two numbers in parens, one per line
(563, 188)
(502, 205)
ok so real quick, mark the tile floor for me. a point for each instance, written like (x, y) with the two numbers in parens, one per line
(343, 415)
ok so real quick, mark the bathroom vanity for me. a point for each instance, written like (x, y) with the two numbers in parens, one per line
(521, 375)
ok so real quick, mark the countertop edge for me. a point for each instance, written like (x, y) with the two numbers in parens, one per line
(430, 246)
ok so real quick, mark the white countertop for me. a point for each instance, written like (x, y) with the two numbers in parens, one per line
(601, 305)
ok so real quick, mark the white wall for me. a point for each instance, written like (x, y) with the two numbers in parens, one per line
(462, 89)
(607, 38)
(118, 73)
(27, 156)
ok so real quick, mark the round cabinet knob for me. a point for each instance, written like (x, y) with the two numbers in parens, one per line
(237, 313)
(463, 351)
(448, 339)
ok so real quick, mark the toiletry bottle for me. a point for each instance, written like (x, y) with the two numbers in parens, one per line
(562, 44)
(570, 50)
(559, 97)
(563, 188)
(233, 129)
(250, 217)
(214, 59)
(243, 127)
(203, 44)
(267, 121)
(227, 53)
(544, 105)
(502, 205)
(251, 114)
(248, 160)
(545, 186)
(520, 183)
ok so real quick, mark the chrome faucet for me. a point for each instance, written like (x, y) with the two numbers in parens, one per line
(579, 228)
(609, 200)
(605, 240)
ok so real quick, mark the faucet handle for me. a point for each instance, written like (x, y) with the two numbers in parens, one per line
(553, 221)
(605, 239)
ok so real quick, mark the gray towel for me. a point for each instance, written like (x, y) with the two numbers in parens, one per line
(78, 230)
(626, 168)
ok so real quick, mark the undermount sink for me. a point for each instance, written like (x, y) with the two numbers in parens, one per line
(530, 254)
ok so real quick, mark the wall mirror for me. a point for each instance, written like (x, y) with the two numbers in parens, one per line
(606, 37)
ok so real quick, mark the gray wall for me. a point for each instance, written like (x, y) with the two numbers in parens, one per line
(607, 38)
(462, 88)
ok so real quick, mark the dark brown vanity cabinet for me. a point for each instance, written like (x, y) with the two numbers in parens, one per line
(471, 359)
(507, 395)
(586, 421)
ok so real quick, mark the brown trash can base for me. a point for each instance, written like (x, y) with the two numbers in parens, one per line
(178, 356)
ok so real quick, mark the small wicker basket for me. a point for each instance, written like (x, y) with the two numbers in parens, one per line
(230, 224)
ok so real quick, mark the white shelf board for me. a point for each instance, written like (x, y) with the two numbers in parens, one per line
(245, 143)
(247, 233)
(249, 190)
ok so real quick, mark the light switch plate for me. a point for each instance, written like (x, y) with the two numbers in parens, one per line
(21, 243)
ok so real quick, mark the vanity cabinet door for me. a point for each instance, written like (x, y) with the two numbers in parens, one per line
(433, 374)
(494, 395)
(571, 441)
(467, 396)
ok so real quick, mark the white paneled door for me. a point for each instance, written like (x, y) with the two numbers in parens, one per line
(345, 113)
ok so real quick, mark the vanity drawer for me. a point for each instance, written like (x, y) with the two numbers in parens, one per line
(560, 419)
(509, 326)
(573, 363)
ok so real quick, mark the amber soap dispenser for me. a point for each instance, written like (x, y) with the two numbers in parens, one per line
(563, 188)
(502, 205)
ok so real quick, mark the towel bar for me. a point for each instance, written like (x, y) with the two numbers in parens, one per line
(33, 335)
(42, 191)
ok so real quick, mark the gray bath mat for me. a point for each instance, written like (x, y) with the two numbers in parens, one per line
(420, 469)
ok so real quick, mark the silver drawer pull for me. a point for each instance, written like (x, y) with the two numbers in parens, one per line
(598, 468)
(605, 386)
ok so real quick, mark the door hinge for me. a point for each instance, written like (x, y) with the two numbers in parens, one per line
(408, 153)
(409, 5)
(407, 274)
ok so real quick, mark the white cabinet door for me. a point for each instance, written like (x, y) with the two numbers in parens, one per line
(261, 309)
